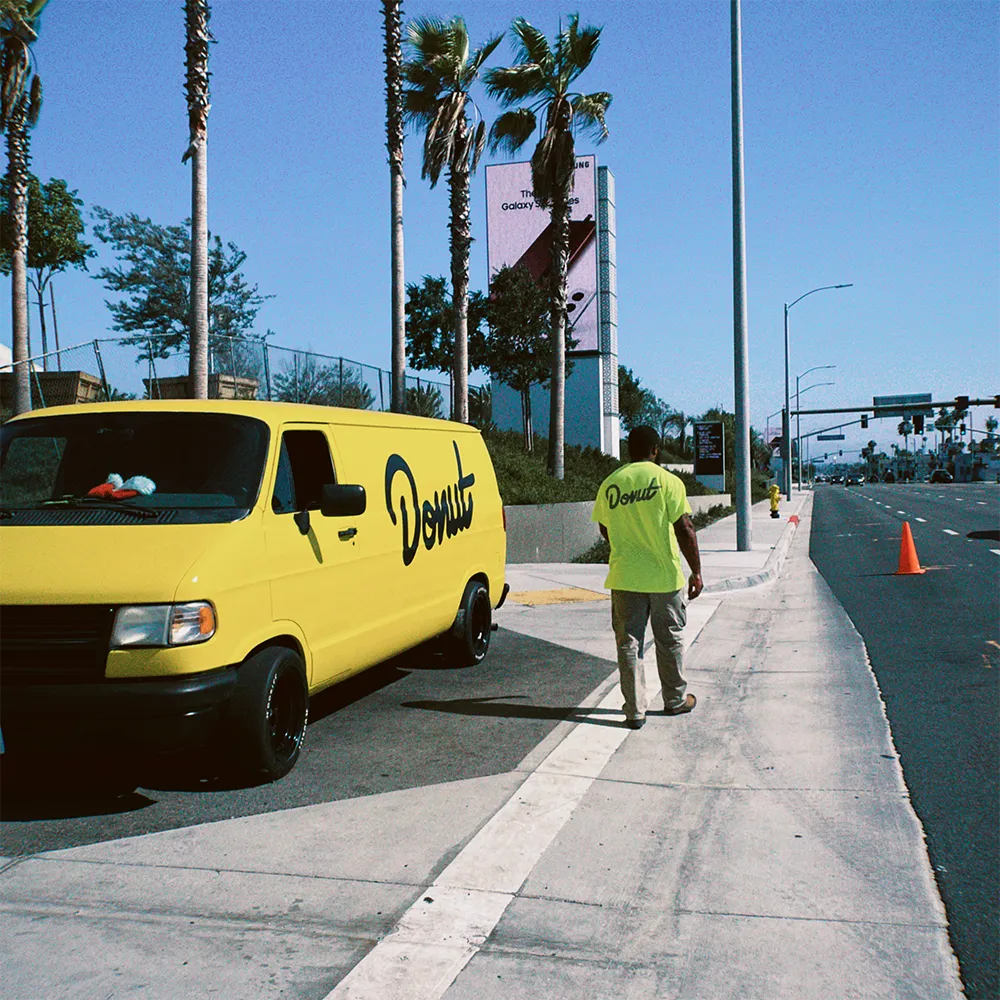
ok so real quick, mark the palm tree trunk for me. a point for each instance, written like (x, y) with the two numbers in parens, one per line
(461, 241)
(17, 186)
(393, 14)
(560, 256)
(196, 48)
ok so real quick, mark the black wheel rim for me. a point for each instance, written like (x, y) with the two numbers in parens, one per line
(286, 715)
(479, 625)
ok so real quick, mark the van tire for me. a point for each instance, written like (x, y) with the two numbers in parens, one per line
(268, 714)
(469, 638)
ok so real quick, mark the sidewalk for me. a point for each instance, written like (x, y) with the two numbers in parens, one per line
(762, 847)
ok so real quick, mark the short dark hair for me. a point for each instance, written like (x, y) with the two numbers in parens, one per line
(642, 442)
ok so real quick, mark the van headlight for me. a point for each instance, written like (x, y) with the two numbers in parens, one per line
(163, 624)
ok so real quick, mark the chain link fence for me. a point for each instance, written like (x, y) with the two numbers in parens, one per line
(130, 367)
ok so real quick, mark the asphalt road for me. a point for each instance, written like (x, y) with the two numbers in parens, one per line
(934, 644)
(411, 721)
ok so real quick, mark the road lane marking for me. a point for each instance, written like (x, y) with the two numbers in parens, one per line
(959, 498)
(900, 511)
(995, 552)
(922, 520)
(982, 503)
(948, 531)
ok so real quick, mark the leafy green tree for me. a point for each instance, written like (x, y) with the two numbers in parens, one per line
(424, 401)
(308, 380)
(679, 420)
(54, 230)
(481, 407)
(439, 77)
(430, 326)
(197, 39)
(633, 399)
(20, 105)
(153, 275)
(540, 83)
(518, 351)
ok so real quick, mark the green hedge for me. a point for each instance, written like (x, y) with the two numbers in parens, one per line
(523, 478)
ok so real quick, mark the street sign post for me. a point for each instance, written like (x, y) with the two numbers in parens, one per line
(829, 437)
(888, 406)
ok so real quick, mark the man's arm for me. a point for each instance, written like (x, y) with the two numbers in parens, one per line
(687, 541)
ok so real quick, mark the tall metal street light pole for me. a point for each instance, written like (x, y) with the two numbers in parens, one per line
(787, 423)
(741, 379)
(798, 429)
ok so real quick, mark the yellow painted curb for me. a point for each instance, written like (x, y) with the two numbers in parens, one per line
(565, 595)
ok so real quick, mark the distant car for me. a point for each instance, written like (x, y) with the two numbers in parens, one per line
(888, 478)
(836, 479)
(941, 476)
(854, 480)
(820, 479)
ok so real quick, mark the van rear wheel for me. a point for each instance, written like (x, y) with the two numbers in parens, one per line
(469, 638)
(268, 713)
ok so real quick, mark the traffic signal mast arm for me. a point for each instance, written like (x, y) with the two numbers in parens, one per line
(961, 402)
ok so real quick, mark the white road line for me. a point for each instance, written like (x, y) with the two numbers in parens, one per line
(440, 933)
(982, 503)
(959, 498)
(996, 552)
(922, 520)
(900, 511)
(948, 531)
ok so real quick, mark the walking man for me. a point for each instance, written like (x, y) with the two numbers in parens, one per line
(643, 511)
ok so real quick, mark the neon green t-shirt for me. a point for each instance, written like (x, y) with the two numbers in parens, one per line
(639, 504)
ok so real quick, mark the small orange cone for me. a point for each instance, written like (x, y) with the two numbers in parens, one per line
(908, 561)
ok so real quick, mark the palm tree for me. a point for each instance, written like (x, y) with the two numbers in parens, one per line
(439, 77)
(542, 77)
(392, 13)
(905, 428)
(20, 104)
(198, 38)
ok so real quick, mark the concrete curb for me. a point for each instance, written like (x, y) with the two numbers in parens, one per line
(775, 561)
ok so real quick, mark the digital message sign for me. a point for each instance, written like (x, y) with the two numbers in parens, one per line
(709, 449)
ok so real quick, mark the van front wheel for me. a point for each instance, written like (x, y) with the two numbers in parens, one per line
(269, 711)
(469, 638)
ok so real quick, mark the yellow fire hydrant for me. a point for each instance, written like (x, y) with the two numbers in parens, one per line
(775, 493)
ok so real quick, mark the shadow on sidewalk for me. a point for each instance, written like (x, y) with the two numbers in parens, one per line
(507, 710)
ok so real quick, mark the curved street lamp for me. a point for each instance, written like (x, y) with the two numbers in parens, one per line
(788, 419)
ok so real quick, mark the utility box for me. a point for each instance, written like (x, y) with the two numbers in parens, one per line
(221, 385)
(53, 389)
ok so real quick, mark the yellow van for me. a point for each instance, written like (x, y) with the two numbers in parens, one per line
(173, 571)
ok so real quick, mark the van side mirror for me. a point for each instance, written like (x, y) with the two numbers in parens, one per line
(338, 500)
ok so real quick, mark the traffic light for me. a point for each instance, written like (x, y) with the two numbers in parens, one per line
(864, 419)
(961, 427)
(841, 454)
(918, 423)
(961, 402)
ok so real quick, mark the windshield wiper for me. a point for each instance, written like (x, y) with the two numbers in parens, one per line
(122, 505)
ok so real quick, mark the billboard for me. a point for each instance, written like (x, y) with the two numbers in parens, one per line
(888, 406)
(518, 232)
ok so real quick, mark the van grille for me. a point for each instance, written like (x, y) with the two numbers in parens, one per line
(54, 643)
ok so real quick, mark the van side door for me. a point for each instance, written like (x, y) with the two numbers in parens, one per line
(313, 559)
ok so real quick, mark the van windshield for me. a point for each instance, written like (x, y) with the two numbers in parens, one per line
(105, 468)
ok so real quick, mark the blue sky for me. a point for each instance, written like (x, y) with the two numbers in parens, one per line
(871, 136)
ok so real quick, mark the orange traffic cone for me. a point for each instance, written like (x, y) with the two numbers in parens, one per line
(908, 561)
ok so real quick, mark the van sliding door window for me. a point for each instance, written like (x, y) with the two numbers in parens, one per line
(304, 468)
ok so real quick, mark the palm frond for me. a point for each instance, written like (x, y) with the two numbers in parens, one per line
(419, 106)
(34, 101)
(427, 36)
(530, 45)
(512, 130)
(481, 55)
(417, 73)
(513, 84)
(588, 114)
(478, 145)
(580, 46)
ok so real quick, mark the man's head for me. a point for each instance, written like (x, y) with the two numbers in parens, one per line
(643, 444)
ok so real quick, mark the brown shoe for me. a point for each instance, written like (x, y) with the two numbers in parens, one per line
(684, 707)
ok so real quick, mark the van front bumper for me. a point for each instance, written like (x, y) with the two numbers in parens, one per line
(155, 715)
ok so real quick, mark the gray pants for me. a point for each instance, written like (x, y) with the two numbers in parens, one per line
(667, 613)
